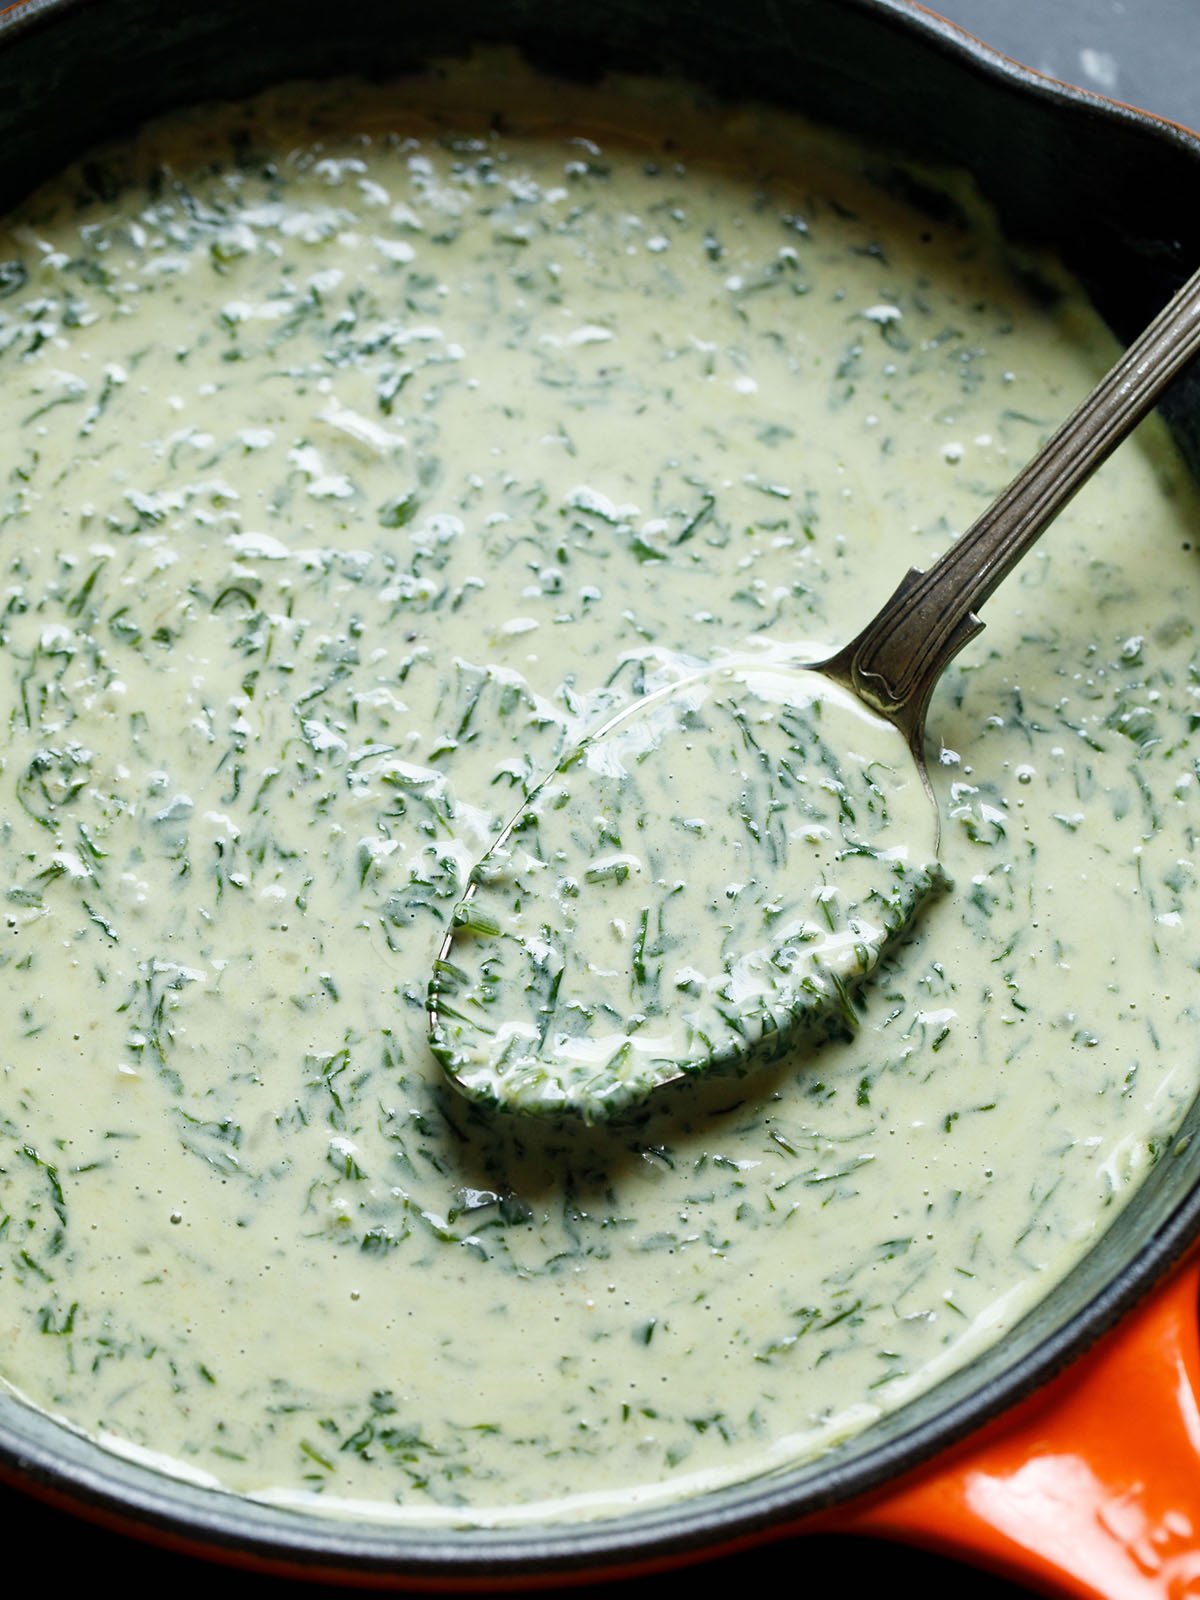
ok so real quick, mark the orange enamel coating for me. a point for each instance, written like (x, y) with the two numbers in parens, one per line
(1091, 1488)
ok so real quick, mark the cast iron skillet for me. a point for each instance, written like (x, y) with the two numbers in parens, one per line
(1103, 186)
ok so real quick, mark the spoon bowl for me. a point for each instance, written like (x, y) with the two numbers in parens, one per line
(633, 968)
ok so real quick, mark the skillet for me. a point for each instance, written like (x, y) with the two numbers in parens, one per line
(1119, 224)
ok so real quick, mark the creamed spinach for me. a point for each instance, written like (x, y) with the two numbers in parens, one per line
(361, 450)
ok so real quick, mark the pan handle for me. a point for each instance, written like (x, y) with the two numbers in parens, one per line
(1091, 1488)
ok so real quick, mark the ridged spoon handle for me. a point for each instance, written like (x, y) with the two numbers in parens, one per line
(894, 663)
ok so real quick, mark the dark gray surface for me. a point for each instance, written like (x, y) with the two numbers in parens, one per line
(1147, 53)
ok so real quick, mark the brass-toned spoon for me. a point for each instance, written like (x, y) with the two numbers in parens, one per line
(711, 871)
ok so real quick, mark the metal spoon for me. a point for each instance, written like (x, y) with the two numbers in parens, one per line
(584, 967)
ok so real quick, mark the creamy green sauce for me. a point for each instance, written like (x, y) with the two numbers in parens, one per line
(704, 878)
(359, 459)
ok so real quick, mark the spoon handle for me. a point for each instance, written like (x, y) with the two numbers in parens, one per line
(898, 657)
